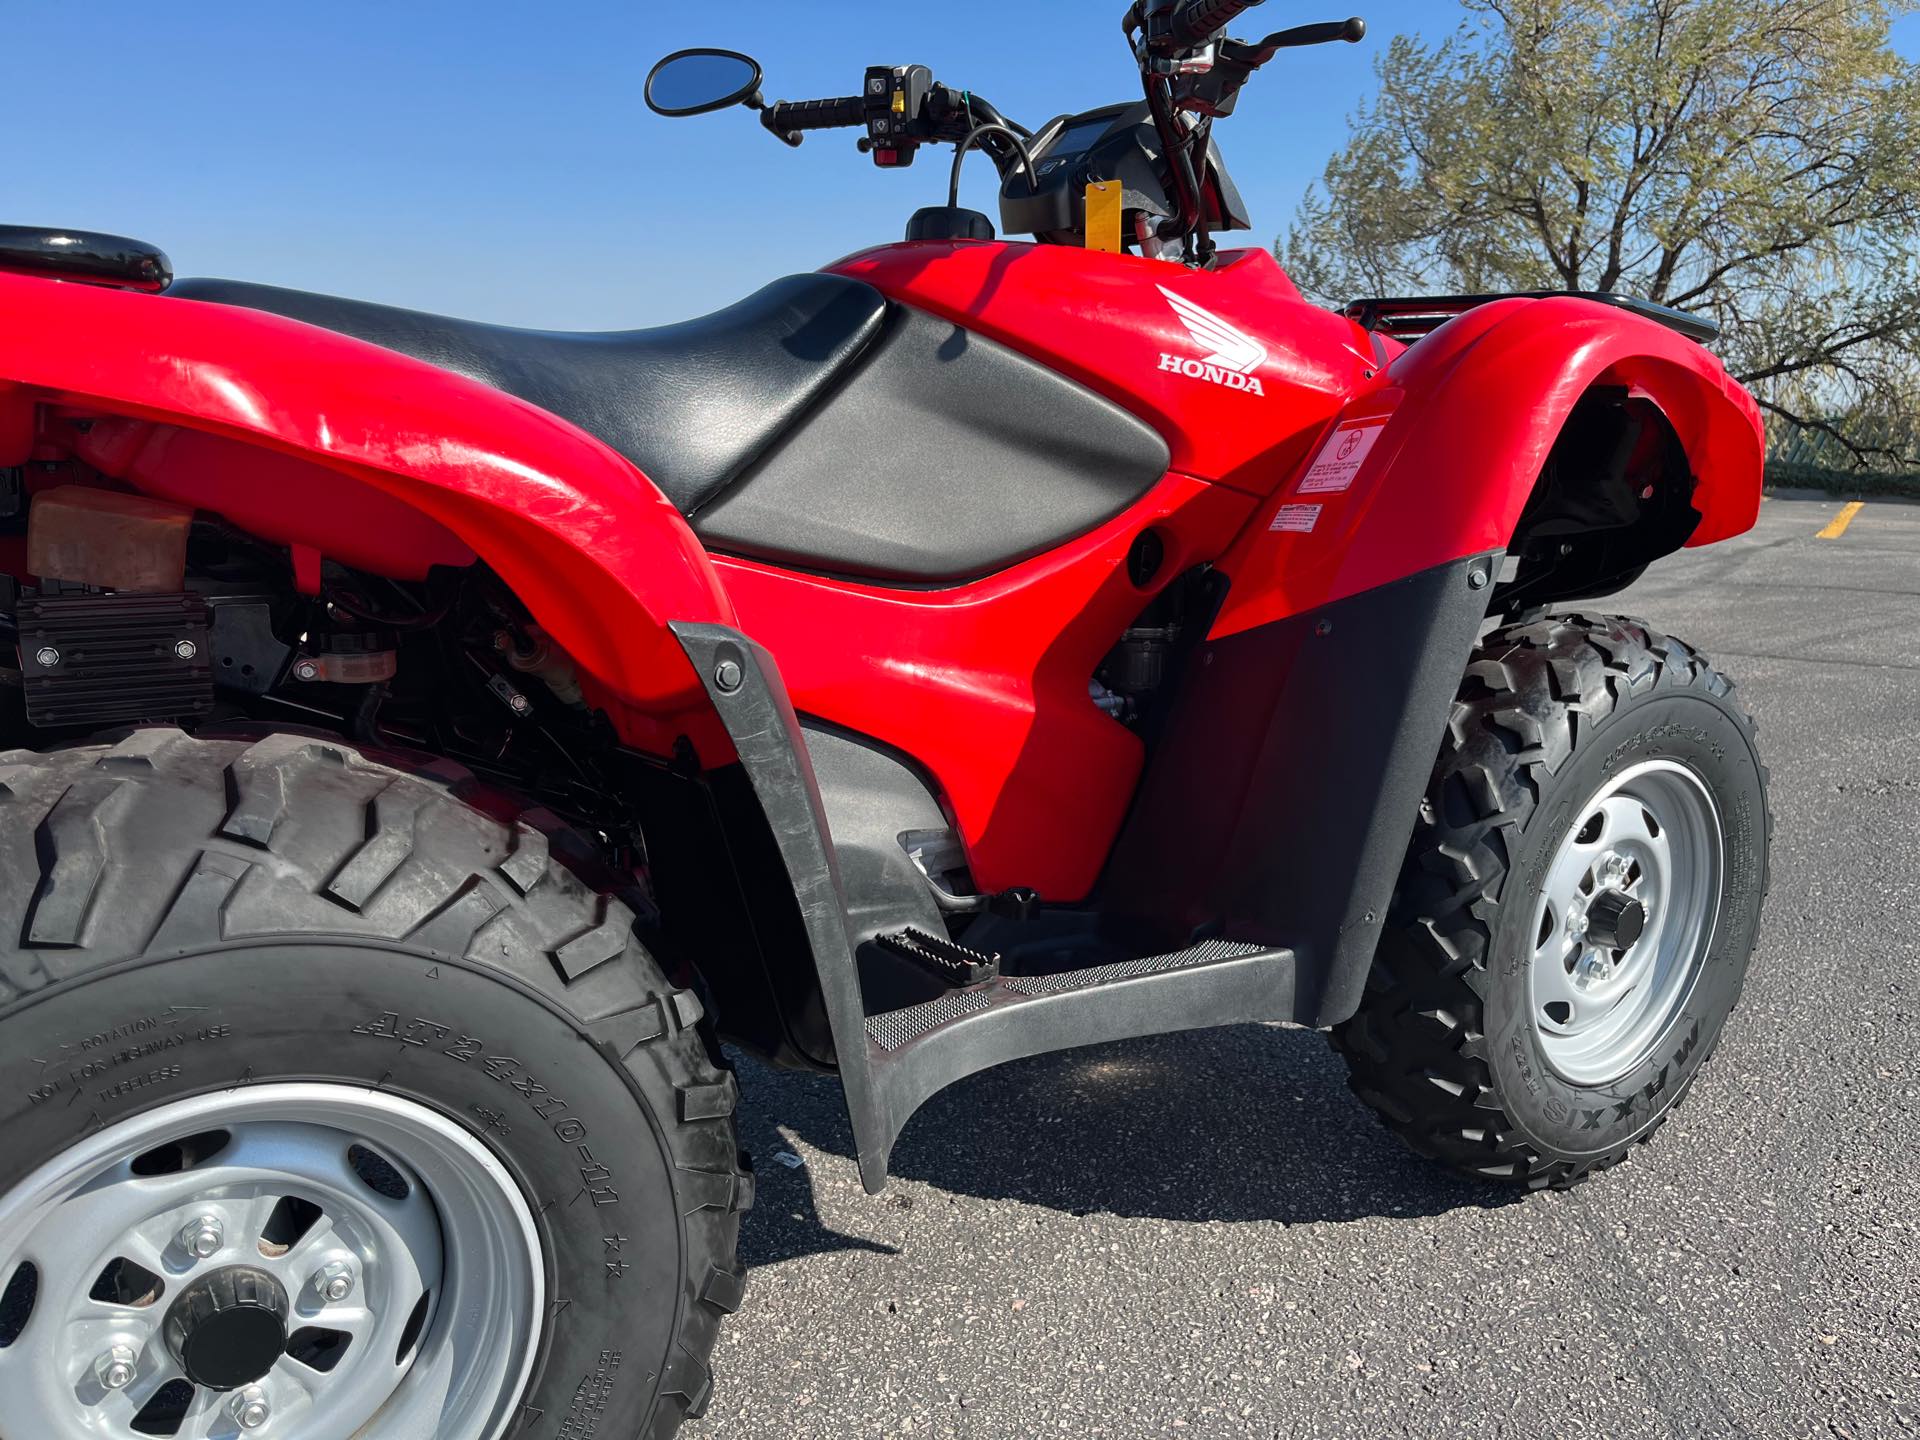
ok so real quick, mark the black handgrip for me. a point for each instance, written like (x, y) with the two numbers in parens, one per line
(1198, 21)
(793, 116)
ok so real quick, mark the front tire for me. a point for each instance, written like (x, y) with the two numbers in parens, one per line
(337, 1103)
(1578, 907)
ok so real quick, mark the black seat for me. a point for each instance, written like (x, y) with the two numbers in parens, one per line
(693, 405)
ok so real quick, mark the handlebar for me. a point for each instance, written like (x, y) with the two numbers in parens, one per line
(789, 118)
(903, 109)
(1198, 21)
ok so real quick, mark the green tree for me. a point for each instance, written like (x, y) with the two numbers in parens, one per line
(1757, 161)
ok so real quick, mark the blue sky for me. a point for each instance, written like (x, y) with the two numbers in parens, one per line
(495, 160)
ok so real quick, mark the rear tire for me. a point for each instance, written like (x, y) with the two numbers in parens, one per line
(1584, 758)
(292, 940)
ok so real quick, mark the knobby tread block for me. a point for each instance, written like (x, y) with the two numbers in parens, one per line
(391, 816)
(687, 1009)
(708, 1190)
(455, 927)
(606, 941)
(688, 1380)
(137, 753)
(258, 781)
(725, 1290)
(706, 1102)
(197, 915)
(527, 865)
(626, 1032)
(72, 843)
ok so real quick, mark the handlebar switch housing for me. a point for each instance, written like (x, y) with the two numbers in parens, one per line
(896, 100)
(1177, 36)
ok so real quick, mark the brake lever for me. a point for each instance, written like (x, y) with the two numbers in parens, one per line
(1328, 32)
(1214, 96)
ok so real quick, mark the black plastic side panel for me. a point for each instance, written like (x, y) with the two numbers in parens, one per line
(943, 457)
(1278, 806)
(727, 908)
(871, 798)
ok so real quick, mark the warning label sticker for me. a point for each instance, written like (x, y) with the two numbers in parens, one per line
(1296, 519)
(1340, 460)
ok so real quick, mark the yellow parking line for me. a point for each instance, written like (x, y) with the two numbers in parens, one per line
(1842, 521)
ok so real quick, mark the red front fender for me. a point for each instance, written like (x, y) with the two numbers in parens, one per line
(306, 437)
(1469, 417)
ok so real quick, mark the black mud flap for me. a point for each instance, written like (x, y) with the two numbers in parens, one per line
(1278, 803)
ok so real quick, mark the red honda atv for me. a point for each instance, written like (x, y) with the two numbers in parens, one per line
(430, 741)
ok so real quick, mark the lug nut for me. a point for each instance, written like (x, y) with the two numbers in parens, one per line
(47, 657)
(250, 1408)
(203, 1238)
(117, 1367)
(335, 1281)
(186, 650)
(1595, 968)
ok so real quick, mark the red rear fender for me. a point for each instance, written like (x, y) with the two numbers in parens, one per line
(1459, 438)
(1494, 402)
(305, 437)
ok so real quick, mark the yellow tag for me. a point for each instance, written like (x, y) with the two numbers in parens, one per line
(1103, 216)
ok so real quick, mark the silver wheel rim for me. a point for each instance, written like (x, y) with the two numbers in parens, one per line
(1651, 839)
(379, 1221)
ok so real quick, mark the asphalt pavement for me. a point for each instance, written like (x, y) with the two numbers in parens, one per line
(1206, 1235)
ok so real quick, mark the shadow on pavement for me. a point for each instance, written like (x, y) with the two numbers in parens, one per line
(1242, 1124)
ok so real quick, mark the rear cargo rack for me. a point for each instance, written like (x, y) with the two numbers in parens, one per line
(1410, 317)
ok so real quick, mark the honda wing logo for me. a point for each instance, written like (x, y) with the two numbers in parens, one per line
(1231, 356)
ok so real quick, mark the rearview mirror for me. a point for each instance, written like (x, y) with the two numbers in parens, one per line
(692, 82)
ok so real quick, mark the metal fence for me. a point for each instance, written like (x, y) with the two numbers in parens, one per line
(1798, 456)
